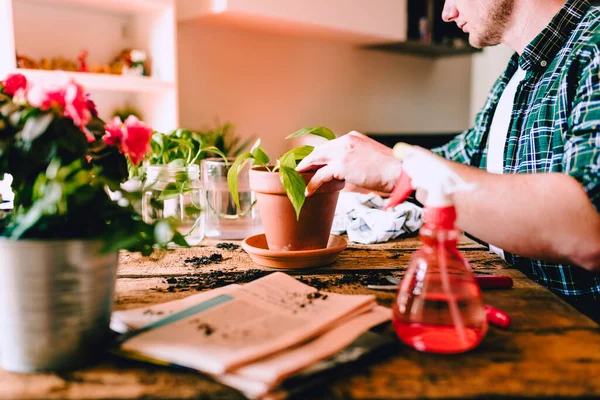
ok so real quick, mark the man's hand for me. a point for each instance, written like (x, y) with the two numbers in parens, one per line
(355, 158)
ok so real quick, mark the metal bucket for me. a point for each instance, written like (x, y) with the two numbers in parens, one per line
(56, 298)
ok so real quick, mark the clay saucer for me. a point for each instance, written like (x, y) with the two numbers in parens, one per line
(256, 247)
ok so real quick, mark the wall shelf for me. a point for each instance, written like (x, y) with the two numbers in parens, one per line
(104, 82)
(52, 29)
(430, 50)
(128, 6)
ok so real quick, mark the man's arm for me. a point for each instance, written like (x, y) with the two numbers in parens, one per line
(542, 216)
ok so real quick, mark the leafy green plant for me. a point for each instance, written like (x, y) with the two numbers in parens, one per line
(292, 181)
(62, 158)
(225, 139)
(179, 148)
(126, 111)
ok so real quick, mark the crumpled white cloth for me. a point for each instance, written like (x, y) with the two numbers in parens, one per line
(362, 218)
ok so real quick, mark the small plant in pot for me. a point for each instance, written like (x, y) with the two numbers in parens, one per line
(60, 239)
(290, 220)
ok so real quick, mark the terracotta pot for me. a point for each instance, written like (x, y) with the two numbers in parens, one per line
(282, 230)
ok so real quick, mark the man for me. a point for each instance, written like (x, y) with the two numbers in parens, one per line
(534, 151)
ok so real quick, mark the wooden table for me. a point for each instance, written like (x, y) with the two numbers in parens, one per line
(550, 350)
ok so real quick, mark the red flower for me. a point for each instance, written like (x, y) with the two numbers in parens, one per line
(76, 106)
(136, 139)
(113, 132)
(46, 98)
(68, 98)
(14, 83)
(132, 138)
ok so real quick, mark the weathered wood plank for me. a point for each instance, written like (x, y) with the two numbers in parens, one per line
(354, 259)
(506, 364)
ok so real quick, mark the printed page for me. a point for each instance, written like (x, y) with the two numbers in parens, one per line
(260, 318)
(272, 370)
(127, 320)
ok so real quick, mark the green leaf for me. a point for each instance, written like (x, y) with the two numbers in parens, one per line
(317, 131)
(260, 156)
(288, 160)
(177, 163)
(294, 185)
(179, 240)
(35, 126)
(233, 174)
(171, 191)
(296, 154)
(209, 149)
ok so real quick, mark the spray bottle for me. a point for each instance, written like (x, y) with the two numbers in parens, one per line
(438, 306)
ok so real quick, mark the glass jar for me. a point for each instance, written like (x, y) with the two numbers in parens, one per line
(175, 192)
(223, 218)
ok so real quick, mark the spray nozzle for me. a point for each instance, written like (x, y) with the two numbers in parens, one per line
(422, 170)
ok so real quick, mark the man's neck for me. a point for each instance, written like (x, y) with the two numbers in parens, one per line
(529, 18)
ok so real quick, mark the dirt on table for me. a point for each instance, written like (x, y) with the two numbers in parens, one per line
(217, 278)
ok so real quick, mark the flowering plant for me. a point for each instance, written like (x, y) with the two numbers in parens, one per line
(62, 158)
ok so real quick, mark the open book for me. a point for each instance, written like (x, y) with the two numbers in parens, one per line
(250, 337)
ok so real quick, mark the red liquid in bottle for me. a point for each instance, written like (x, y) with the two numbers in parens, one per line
(439, 307)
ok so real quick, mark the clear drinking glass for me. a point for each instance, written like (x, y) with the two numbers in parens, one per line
(223, 219)
(175, 192)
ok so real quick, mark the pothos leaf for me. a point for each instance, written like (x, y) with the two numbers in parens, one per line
(317, 131)
(287, 160)
(296, 154)
(260, 156)
(234, 172)
(294, 186)
(171, 191)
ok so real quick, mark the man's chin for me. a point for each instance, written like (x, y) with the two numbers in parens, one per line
(480, 43)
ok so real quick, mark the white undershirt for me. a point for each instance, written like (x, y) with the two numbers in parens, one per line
(499, 131)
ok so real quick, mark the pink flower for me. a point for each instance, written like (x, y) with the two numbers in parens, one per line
(13, 83)
(132, 137)
(136, 139)
(76, 106)
(46, 98)
(68, 98)
(113, 132)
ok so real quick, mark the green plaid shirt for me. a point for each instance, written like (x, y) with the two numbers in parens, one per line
(554, 127)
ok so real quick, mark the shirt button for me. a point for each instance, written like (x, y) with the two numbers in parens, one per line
(544, 63)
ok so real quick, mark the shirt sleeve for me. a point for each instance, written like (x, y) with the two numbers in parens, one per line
(581, 158)
(460, 149)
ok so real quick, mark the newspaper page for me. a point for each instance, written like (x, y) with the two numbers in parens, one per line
(259, 378)
(243, 324)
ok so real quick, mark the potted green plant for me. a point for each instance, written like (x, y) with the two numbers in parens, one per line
(60, 239)
(290, 220)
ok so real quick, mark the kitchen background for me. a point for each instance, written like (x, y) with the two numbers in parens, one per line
(268, 66)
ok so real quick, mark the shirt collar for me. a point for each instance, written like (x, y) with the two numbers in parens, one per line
(541, 51)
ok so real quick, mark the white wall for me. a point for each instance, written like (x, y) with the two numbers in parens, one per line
(270, 85)
(487, 67)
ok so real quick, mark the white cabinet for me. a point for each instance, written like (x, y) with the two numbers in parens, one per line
(353, 21)
(63, 28)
